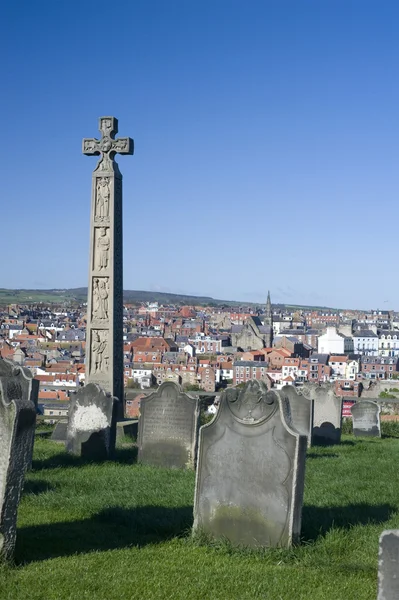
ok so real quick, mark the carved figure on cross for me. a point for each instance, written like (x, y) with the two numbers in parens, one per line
(107, 146)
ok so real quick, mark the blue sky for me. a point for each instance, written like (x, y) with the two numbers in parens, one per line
(266, 145)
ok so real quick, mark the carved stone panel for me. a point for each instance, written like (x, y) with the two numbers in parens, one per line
(250, 471)
(100, 299)
(102, 245)
(103, 199)
(99, 352)
(168, 428)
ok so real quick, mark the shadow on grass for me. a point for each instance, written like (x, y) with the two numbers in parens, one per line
(318, 520)
(35, 488)
(64, 459)
(110, 529)
(326, 455)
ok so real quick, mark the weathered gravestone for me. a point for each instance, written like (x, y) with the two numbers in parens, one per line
(301, 411)
(128, 428)
(168, 428)
(366, 419)
(250, 472)
(327, 413)
(388, 565)
(17, 429)
(91, 429)
(60, 431)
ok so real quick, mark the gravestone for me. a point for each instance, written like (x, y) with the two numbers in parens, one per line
(91, 429)
(128, 428)
(168, 428)
(388, 565)
(327, 413)
(250, 471)
(17, 429)
(60, 431)
(104, 329)
(366, 419)
(301, 411)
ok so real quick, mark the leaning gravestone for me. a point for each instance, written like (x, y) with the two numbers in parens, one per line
(17, 428)
(366, 419)
(327, 413)
(301, 411)
(91, 429)
(388, 565)
(168, 428)
(250, 472)
(60, 431)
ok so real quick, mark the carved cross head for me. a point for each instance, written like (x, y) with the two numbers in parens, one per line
(107, 146)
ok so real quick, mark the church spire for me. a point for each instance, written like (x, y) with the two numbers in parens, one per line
(268, 313)
(268, 320)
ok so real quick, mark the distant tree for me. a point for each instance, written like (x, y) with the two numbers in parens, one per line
(132, 384)
(191, 387)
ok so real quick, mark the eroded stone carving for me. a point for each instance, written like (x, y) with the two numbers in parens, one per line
(103, 244)
(104, 358)
(100, 298)
(107, 146)
(103, 193)
(17, 425)
(99, 352)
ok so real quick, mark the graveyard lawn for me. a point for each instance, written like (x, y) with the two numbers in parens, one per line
(118, 530)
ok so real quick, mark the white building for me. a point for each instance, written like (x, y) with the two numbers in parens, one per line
(338, 366)
(333, 342)
(365, 342)
(388, 343)
(352, 368)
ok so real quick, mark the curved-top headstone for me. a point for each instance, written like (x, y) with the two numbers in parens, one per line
(168, 428)
(327, 413)
(366, 418)
(301, 410)
(250, 472)
(91, 428)
(17, 427)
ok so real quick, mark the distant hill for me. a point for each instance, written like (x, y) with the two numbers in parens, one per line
(58, 296)
(80, 295)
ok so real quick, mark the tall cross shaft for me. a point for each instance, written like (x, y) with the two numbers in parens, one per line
(104, 332)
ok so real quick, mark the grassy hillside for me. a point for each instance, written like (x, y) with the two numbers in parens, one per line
(121, 530)
(129, 296)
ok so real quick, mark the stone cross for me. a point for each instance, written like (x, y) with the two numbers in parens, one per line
(104, 332)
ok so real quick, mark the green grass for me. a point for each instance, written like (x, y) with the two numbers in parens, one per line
(119, 530)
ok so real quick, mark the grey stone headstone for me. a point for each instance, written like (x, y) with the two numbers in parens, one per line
(128, 427)
(301, 411)
(168, 428)
(17, 430)
(327, 413)
(250, 472)
(388, 565)
(366, 419)
(91, 429)
(60, 431)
